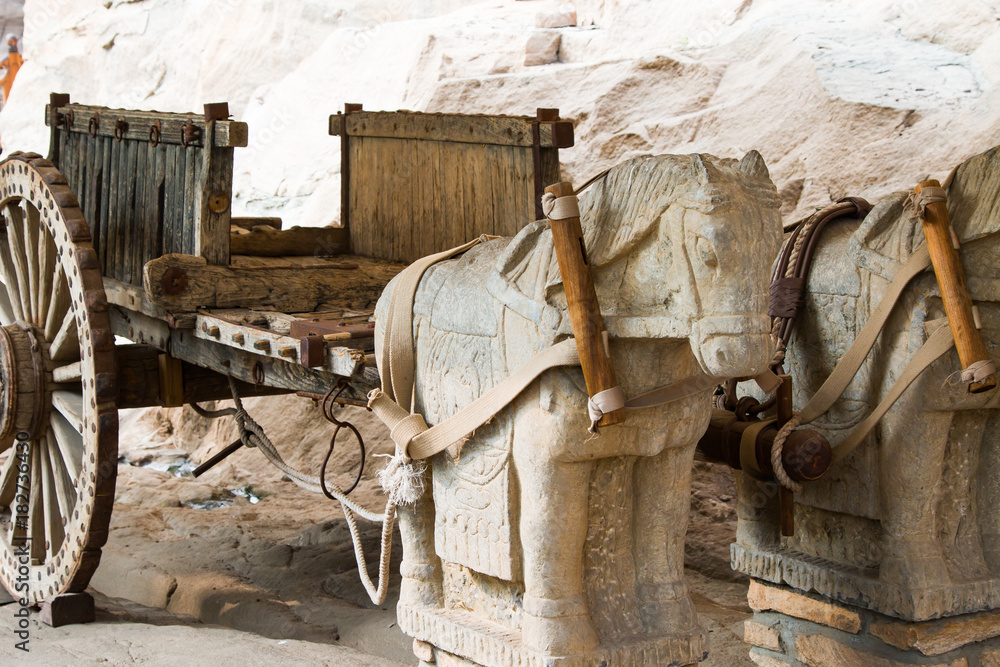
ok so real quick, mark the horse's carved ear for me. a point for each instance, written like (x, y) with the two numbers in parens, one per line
(753, 166)
(700, 168)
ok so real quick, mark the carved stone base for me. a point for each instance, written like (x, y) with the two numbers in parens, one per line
(793, 629)
(854, 586)
(461, 638)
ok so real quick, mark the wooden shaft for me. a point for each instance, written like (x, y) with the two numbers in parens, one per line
(954, 288)
(584, 311)
(786, 500)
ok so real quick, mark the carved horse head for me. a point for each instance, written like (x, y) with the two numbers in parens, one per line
(682, 246)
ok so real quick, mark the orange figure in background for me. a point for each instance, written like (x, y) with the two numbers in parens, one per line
(13, 63)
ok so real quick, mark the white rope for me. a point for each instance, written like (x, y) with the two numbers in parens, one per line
(253, 435)
(560, 208)
(978, 371)
(602, 403)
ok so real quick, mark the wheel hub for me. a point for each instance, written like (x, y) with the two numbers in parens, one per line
(25, 382)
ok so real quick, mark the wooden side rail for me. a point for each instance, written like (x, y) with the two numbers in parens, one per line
(417, 183)
(149, 183)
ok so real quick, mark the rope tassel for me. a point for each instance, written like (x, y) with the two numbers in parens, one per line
(402, 479)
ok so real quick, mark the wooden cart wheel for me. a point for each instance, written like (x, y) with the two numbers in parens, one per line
(58, 387)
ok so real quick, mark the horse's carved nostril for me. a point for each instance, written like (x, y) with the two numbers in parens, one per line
(706, 252)
(721, 357)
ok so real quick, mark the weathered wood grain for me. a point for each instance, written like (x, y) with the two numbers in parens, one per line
(229, 133)
(266, 241)
(285, 288)
(213, 195)
(437, 187)
(462, 128)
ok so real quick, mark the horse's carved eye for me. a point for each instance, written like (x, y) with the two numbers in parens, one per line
(706, 252)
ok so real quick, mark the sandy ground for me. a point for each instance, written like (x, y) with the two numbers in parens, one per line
(194, 574)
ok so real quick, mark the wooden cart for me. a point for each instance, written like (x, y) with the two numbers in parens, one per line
(126, 232)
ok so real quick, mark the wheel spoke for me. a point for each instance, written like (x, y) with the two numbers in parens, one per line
(65, 493)
(8, 480)
(70, 443)
(59, 304)
(30, 217)
(69, 373)
(65, 344)
(47, 267)
(6, 309)
(53, 519)
(10, 279)
(15, 239)
(70, 405)
(36, 516)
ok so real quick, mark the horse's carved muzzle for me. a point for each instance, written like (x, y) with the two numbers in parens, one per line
(733, 345)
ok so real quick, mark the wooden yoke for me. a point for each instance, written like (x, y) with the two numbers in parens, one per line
(954, 287)
(581, 300)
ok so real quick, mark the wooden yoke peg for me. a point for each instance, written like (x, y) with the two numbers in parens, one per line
(786, 499)
(941, 244)
(581, 299)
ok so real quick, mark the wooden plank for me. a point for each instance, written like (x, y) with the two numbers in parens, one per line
(249, 223)
(194, 284)
(171, 206)
(229, 134)
(213, 200)
(460, 128)
(343, 358)
(133, 297)
(156, 205)
(277, 373)
(191, 179)
(113, 266)
(301, 241)
(103, 204)
(130, 222)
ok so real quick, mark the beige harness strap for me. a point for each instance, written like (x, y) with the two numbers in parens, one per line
(397, 350)
(937, 344)
(848, 366)
(427, 442)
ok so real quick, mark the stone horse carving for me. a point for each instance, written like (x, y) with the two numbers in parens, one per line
(908, 524)
(533, 537)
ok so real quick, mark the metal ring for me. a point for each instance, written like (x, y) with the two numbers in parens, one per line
(94, 125)
(258, 373)
(121, 127)
(154, 134)
(67, 120)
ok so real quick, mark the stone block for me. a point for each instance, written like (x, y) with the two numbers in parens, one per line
(762, 659)
(564, 17)
(542, 48)
(423, 651)
(762, 635)
(763, 598)
(940, 636)
(990, 658)
(820, 651)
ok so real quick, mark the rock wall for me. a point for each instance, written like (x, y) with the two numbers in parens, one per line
(857, 97)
